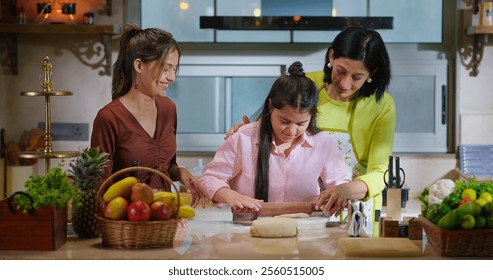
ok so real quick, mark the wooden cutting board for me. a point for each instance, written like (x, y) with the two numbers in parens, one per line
(379, 247)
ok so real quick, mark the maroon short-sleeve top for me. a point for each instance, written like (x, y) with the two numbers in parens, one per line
(117, 132)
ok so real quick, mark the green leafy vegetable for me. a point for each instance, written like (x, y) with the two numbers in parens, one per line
(479, 187)
(54, 189)
(436, 211)
(424, 198)
(452, 200)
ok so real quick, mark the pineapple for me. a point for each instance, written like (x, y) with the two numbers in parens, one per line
(86, 173)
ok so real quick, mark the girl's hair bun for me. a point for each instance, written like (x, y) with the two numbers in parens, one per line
(296, 69)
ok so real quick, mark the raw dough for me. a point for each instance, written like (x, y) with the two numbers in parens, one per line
(274, 227)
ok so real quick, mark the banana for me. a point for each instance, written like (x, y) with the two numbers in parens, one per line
(171, 200)
(165, 197)
(168, 198)
(186, 212)
(120, 188)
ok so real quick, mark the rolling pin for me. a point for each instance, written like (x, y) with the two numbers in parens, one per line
(279, 208)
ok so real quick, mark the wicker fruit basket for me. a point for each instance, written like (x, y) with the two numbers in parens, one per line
(459, 242)
(136, 235)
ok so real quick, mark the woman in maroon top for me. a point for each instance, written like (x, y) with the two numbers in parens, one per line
(140, 122)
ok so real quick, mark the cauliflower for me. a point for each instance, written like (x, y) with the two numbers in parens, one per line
(439, 190)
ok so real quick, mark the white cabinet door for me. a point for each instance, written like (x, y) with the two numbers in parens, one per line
(180, 18)
(419, 89)
(415, 21)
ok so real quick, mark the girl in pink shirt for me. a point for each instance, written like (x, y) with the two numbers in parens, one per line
(282, 157)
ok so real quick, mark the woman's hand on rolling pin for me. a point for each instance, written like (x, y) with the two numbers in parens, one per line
(237, 126)
(332, 200)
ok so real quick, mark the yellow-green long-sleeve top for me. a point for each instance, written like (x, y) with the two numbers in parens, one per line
(371, 127)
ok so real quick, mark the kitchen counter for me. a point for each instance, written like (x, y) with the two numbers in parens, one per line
(212, 235)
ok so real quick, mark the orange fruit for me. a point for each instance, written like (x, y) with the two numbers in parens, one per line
(116, 209)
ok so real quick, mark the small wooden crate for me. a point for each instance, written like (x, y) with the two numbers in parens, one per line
(388, 227)
(392, 228)
(43, 229)
(415, 230)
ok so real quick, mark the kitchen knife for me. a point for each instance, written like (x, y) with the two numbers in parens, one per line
(279, 208)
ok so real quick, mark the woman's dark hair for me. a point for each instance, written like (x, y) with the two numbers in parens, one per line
(151, 44)
(295, 90)
(357, 43)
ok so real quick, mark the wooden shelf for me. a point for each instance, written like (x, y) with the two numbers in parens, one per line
(477, 30)
(86, 55)
(60, 29)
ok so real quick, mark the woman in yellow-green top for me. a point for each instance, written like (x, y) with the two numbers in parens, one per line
(356, 108)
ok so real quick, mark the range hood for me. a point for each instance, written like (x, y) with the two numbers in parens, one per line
(290, 15)
(293, 22)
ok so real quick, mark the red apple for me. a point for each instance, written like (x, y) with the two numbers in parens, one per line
(138, 211)
(160, 211)
(142, 191)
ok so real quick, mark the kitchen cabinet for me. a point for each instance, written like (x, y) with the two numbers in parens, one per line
(416, 21)
(180, 18)
(185, 26)
(419, 89)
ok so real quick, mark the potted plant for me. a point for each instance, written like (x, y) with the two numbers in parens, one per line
(37, 218)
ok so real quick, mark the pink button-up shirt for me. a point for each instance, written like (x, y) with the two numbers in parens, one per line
(291, 179)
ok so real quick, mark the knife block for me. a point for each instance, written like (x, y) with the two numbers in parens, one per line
(394, 203)
(404, 196)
